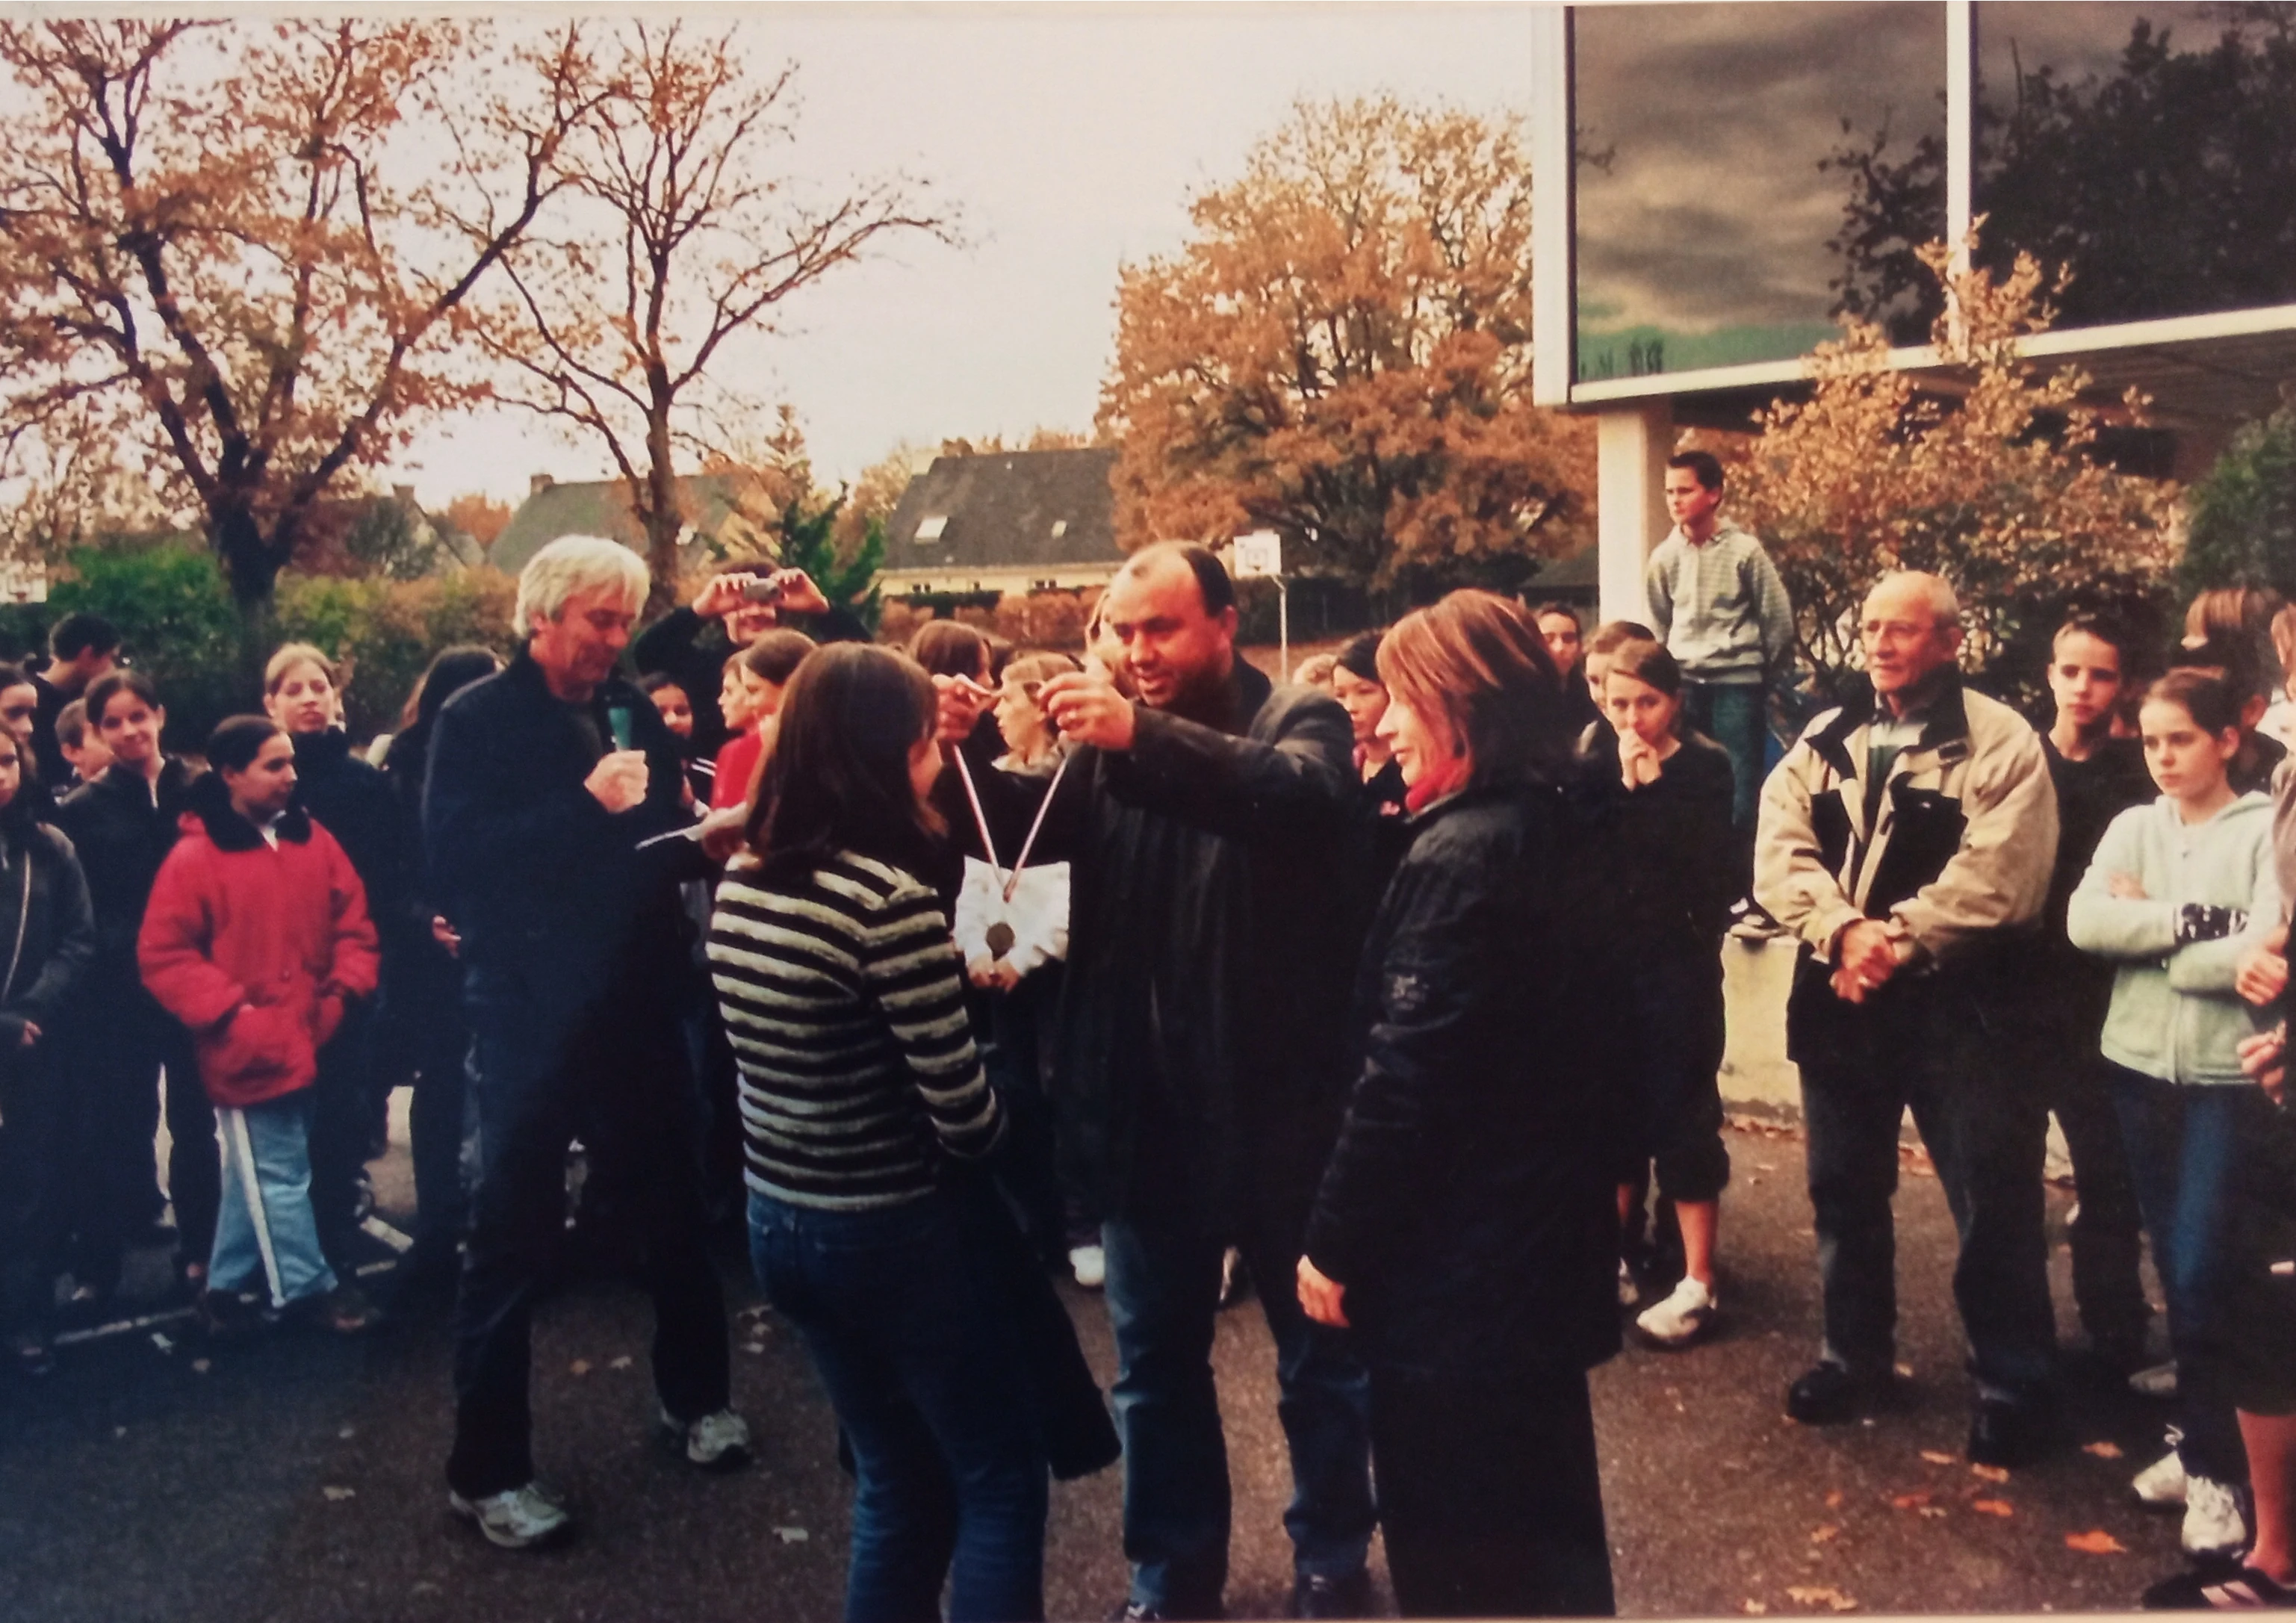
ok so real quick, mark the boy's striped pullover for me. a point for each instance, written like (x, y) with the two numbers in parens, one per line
(844, 1001)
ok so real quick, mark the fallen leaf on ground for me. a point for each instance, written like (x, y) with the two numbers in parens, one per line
(1993, 1507)
(2099, 1543)
(1824, 1535)
(347, 1432)
(621, 1363)
(1935, 1512)
(2103, 1451)
(118, 1431)
(1833, 1500)
(1907, 1501)
(1755, 1609)
(336, 1496)
(1988, 1473)
(200, 1366)
(792, 1535)
(1904, 1371)
(1935, 1458)
(580, 1367)
(1825, 1595)
(753, 1346)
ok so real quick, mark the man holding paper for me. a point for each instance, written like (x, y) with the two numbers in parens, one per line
(551, 787)
(1215, 918)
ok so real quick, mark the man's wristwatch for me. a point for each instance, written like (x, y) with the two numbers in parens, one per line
(2196, 922)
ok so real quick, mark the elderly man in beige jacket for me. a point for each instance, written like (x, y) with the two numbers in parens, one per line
(1906, 841)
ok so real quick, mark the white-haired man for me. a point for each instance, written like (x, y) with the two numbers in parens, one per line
(1907, 841)
(544, 782)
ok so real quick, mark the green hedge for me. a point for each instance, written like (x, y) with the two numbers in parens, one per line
(177, 622)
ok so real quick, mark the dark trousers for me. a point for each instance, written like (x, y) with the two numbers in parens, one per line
(2107, 1232)
(118, 1045)
(1924, 1043)
(34, 1117)
(1163, 1297)
(1489, 1497)
(429, 1041)
(342, 1112)
(2187, 1146)
(923, 1367)
(1017, 1023)
(618, 1082)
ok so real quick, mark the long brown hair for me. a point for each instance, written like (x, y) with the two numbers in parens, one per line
(1477, 660)
(837, 777)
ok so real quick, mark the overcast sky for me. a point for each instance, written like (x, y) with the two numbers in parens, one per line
(1071, 137)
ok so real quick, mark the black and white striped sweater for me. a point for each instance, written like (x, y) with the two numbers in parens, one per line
(843, 998)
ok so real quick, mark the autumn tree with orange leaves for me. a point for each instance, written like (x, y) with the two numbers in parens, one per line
(1983, 469)
(1341, 354)
(677, 229)
(230, 252)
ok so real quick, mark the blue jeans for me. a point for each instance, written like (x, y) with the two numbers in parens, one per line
(1164, 1295)
(952, 1480)
(265, 1229)
(1733, 714)
(2185, 1147)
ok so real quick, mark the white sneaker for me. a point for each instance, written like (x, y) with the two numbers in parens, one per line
(2159, 1382)
(1681, 1317)
(717, 1441)
(1629, 1292)
(1089, 1264)
(517, 1518)
(2213, 1524)
(2161, 1486)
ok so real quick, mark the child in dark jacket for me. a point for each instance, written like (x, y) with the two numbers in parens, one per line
(47, 935)
(256, 938)
(1676, 874)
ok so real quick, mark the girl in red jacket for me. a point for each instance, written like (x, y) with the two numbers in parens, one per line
(256, 936)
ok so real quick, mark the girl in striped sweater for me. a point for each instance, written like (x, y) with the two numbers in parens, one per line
(844, 997)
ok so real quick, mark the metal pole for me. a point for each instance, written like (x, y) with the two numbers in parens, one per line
(1283, 625)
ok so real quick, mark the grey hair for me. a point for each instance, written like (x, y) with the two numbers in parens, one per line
(576, 563)
(1937, 593)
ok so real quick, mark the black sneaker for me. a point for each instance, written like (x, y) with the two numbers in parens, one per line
(1828, 1395)
(1313, 1596)
(2008, 1435)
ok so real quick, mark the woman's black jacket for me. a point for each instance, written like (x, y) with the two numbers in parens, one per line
(123, 831)
(47, 931)
(1469, 1207)
(353, 802)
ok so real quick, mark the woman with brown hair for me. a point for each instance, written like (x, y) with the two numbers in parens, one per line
(844, 999)
(1467, 1228)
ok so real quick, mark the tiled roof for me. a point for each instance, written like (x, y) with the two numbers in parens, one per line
(601, 507)
(1006, 510)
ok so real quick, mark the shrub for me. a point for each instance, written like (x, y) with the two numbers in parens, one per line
(385, 632)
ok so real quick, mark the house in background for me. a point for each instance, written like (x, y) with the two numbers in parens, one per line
(715, 523)
(1009, 522)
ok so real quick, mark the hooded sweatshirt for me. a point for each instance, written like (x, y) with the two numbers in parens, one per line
(2175, 1015)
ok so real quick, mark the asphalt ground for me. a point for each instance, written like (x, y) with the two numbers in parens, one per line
(297, 1477)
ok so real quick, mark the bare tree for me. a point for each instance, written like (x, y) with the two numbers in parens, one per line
(676, 232)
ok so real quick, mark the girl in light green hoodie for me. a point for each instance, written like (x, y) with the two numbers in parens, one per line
(2177, 893)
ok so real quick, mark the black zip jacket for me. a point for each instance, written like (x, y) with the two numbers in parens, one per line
(46, 927)
(1470, 1206)
(1215, 910)
(353, 802)
(122, 834)
(557, 906)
